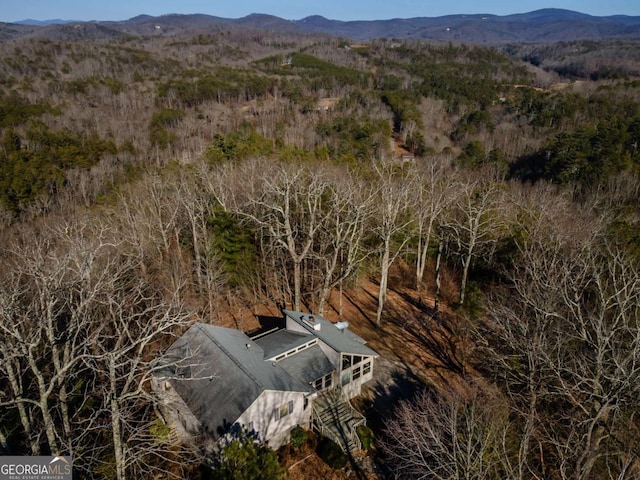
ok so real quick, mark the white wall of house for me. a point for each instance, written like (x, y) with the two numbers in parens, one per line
(332, 355)
(294, 326)
(265, 416)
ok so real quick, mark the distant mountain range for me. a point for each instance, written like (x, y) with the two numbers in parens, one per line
(56, 21)
(547, 25)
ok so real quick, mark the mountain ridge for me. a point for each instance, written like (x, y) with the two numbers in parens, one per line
(543, 25)
(53, 21)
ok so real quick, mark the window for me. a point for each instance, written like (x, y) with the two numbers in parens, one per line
(346, 377)
(357, 359)
(356, 372)
(346, 361)
(284, 410)
(323, 382)
(366, 368)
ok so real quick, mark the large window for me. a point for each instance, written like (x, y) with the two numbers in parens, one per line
(354, 367)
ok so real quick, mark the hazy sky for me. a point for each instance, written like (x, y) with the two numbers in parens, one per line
(14, 10)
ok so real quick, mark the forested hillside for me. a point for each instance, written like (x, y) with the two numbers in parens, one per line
(148, 182)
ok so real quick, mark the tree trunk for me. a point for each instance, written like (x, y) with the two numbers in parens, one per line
(465, 272)
(419, 262)
(64, 409)
(59, 359)
(118, 447)
(3, 442)
(297, 285)
(436, 302)
(423, 250)
(20, 404)
(196, 254)
(43, 404)
(26, 424)
(49, 425)
(326, 282)
(117, 440)
(384, 274)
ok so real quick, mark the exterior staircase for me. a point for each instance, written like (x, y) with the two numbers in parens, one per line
(336, 419)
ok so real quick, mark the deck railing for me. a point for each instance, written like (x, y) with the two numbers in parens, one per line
(346, 426)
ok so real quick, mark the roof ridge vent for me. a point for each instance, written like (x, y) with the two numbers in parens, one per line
(312, 321)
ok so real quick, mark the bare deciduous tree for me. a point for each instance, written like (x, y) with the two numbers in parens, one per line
(49, 315)
(434, 185)
(126, 355)
(289, 208)
(566, 348)
(339, 248)
(447, 437)
(391, 220)
(80, 331)
(474, 226)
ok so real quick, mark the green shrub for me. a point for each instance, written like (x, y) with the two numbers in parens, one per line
(298, 437)
(244, 459)
(159, 431)
(365, 434)
(332, 454)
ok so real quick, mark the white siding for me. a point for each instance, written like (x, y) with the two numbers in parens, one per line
(332, 355)
(294, 326)
(270, 428)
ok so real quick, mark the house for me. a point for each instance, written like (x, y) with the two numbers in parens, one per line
(301, 372)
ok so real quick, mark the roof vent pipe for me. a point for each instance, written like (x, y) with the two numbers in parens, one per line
(342, 326)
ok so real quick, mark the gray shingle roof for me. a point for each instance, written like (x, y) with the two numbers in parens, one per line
(344, 341)
(307, 365)
(282, 341)
(220, 372)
